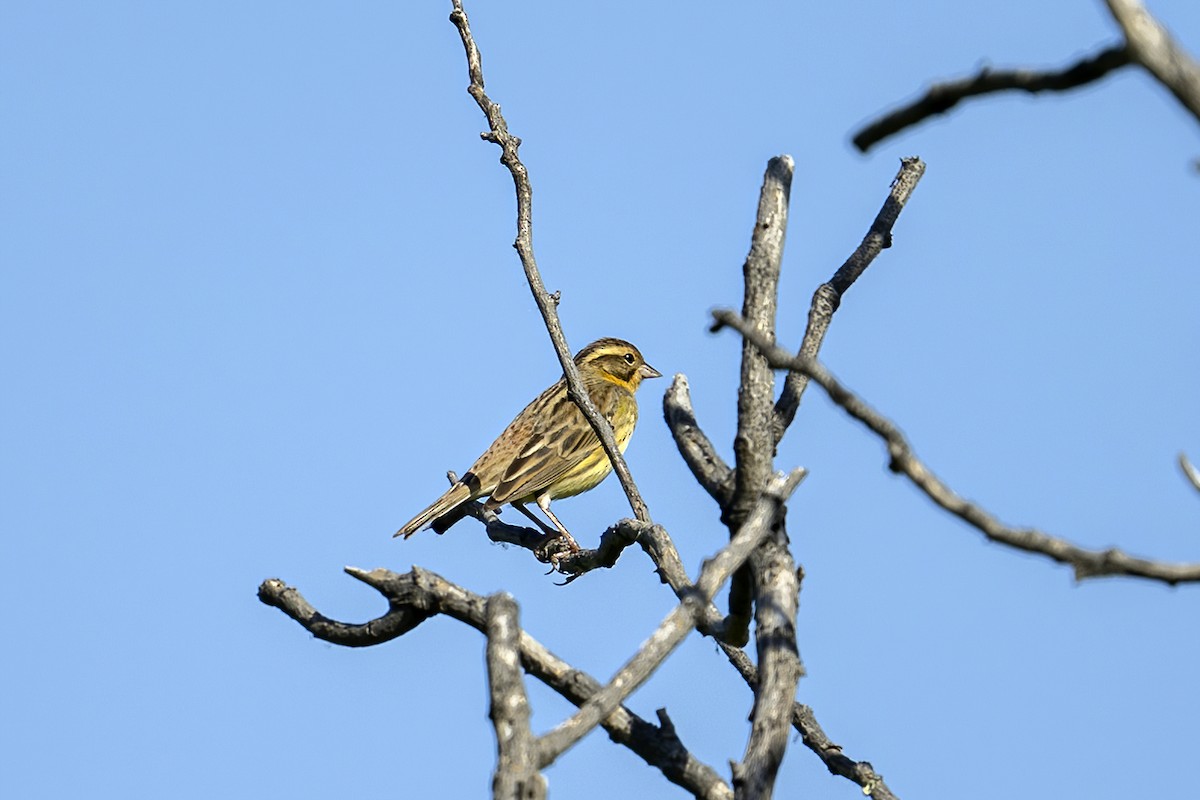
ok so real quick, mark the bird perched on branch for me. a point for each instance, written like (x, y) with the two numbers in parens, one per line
(550, 451)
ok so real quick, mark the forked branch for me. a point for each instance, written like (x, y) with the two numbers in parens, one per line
(419, 595)
(763, 519)
(415, 597)
(828, 296)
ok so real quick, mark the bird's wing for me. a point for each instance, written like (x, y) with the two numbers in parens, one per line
(562, 442)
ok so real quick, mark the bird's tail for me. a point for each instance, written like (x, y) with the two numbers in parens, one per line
(454, 497)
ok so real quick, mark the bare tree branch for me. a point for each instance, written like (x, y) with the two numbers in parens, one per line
(716, 477)
(1189, 471)
(547, 304)
(776, 605)
(654, 540)
(861, 772)
(551, 548)
(661, 550)
(771, 574)
(517, 776)
(754, 445)
(753, 448)
(1085, 563)
(405, 615)
(814, 738)
(709, 469)
(1152, 46)
(420, 594)
(828, 296)
(1147, 44)
(759, 525)
(941, 97)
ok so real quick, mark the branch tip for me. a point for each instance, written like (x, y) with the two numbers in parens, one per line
(1189, 471)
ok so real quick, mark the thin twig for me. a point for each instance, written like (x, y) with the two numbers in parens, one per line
(828, 296)
(516, 776)
(420, 594)
(547, 304)
(837, 762)
(551, 548)
(941, 97)
(671, 632)
(1147, 43)
(804, 720)
(1189, 471)
(902, 459)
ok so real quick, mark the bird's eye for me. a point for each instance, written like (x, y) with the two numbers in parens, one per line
(629, 358)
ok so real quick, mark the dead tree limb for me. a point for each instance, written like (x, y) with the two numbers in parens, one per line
(1153, 47)
(419, 595)
(903, 459)
(771, 578)
(517, 775)
(760, 524)
(1147, 44)
(942, 96)
(828, 296)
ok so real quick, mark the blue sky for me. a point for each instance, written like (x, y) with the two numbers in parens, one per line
(258, 295)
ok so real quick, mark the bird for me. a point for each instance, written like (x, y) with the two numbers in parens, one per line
(550, 450)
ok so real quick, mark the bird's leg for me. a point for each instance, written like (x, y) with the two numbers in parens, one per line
(544, 504)
(546, 529)
(552, 548)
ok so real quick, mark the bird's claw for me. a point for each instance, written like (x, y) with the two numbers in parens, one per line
(553, 549)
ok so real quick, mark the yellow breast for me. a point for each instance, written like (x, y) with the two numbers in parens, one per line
(596, 466)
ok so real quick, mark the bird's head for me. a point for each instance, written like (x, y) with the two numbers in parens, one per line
(616, 361)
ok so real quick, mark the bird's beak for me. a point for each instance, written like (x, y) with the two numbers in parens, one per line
(647, 371)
